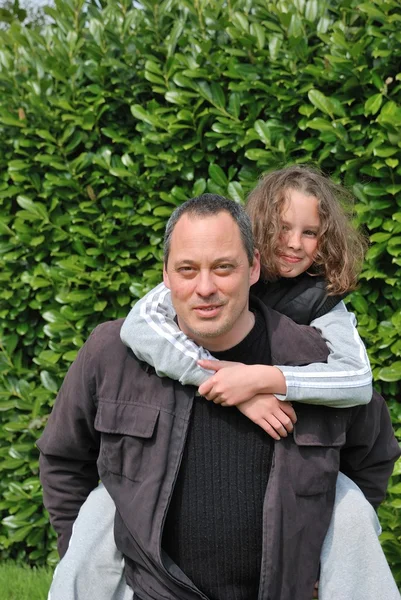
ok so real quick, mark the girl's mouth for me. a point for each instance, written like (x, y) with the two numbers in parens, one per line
(290, 259)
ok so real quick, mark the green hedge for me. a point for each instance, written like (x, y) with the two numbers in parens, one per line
(110, 116)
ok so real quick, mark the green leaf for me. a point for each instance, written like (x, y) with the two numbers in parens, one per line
(320, 125)
(48, 382)
(258, 32)
(385, 151)
(327, 105)
(140, 113)
(391, 373)
(53, 316)
(374, 189)
(373, 104)
(163, 211)
(264, 132)
(395, 489)
(118, 172)
(199, 187)
(153, 67)
(372, 11)
(295, 29)
(235, 192)
(311, 10)
(390, 114)
(275, 43)
(180, 98)
(380, 237)
(393, 189)
(376, 251)
(218, 175)
(49, 356)
(258, 154)
(70, 356)
(240, 21)
(35, 208)
(218, 95)
(359, 303)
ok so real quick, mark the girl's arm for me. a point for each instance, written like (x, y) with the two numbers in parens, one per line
(344, 381)
(153, 335)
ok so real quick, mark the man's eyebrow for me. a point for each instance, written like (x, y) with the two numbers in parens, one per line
(226, 259)
(184, 261)
(219, 260)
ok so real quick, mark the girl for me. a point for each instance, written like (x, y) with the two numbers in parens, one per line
(310, 259)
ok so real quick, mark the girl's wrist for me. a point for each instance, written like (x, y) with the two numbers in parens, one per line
(268, 380)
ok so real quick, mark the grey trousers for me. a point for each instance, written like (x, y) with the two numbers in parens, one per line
(353, 565)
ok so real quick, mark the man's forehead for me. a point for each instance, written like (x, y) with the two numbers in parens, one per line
(207, 240)
(219, 223)
(221, 228)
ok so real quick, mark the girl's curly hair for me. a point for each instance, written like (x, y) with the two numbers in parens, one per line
(341, 247)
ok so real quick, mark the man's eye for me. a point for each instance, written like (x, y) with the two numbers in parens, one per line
(224, 267)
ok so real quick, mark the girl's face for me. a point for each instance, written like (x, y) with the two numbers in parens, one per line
(299, 237)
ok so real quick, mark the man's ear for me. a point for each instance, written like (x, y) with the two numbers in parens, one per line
(166, 279)
(255, 268)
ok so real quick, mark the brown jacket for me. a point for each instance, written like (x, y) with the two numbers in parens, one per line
(114, 417)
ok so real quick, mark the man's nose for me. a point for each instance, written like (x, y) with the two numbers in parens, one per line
(205, 285)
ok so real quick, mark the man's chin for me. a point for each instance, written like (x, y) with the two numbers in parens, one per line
(208, 332)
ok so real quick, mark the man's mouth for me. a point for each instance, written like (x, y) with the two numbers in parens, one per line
(208, 310)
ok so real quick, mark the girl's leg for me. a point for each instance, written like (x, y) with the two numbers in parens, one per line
(353, 565)
(92, 567)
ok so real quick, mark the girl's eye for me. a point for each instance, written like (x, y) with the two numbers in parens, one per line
(311, 233)
(285, 228)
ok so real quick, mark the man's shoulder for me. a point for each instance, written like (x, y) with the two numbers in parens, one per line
(109, 330)
(105, 342)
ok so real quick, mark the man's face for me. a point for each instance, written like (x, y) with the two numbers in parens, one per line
(209, 276)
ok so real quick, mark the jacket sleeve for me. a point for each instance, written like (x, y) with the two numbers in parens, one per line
(69, 448)
(371, 449)
(154, 337)
(346, 379)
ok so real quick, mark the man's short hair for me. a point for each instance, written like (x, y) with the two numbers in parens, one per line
(208, 205)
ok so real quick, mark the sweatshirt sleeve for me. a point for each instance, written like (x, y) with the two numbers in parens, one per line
(346, 379)
(153, 335)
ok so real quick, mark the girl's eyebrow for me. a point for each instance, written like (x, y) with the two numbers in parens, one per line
(317, 227)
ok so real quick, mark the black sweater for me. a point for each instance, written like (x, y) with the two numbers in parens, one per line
(213, 529)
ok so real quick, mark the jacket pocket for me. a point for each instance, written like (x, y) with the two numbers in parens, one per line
(127, 438)
(319, 434)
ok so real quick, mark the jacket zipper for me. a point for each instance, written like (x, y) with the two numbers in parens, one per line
(261, 588)
(181, 583)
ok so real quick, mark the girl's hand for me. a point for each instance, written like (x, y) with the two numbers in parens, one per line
(234, 382)
(231, 384)
(277, 418)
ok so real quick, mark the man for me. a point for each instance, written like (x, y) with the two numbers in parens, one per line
(207, 505)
